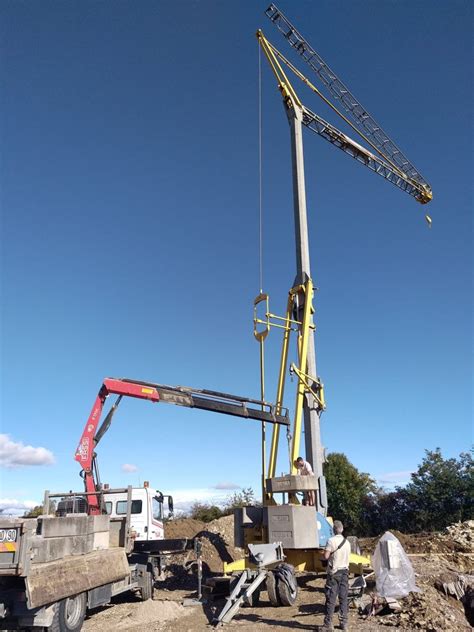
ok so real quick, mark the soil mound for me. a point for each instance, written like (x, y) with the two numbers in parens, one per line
(217, 541)
(183, 528)
(457, 538)
(134, 616)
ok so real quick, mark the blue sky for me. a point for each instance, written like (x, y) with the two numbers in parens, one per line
(130, 235)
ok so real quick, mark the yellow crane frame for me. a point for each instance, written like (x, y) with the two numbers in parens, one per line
(299, 294)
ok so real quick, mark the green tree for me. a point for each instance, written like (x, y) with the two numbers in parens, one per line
(244, 498)
(205, 512)
(34, 513)
(440, 492)
(382, 511)
(350, 493)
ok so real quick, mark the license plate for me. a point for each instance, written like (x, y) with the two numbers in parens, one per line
(8, 538)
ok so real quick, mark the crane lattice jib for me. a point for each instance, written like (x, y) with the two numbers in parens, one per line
(318, 125)
(360, 115)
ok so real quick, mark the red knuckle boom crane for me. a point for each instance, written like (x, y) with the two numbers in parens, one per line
(213, 401)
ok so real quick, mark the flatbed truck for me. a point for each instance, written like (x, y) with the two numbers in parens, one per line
(54, 568)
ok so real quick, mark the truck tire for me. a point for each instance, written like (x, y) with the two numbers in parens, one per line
(271, 583)
(286, 594)
(146, 591)
(69, 614)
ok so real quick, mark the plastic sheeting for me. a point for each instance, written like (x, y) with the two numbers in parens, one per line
(394, 573)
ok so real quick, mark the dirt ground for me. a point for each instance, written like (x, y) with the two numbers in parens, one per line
(434, 558)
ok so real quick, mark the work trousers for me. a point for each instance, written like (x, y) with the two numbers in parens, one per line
(337, 585)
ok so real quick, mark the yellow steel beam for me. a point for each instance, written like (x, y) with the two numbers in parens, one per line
(264, 426)
(303, 340)
(284, 84)
(281, 385)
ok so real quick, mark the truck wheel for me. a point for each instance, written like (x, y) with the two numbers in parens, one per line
(146, 591)
(271, 583)
(69, 614)
(287, 596)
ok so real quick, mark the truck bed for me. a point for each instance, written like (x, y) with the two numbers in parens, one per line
(59, 557)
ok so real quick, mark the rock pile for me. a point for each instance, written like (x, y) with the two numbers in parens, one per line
(444, 569)
(430, 611)
(457, 538)
(462, 534)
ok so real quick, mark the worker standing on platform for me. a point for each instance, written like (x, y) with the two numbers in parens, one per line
(337, 553)
(304, 469)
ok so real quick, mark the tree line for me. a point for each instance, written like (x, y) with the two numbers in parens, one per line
(438, 494)
(206, 512)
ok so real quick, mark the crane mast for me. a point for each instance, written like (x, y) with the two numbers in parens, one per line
(387, 161)
(311, 412)
(311, 408)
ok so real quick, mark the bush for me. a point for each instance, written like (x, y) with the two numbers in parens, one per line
(38, 510)
(244, 498)
(205, 512)
(34, 513)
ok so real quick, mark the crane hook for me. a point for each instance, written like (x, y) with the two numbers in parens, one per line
(428, 220)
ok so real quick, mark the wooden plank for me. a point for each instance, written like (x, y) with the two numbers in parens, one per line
(52, 581)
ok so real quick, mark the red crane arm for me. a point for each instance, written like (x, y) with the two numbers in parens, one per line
(85, 450)
(213, 401)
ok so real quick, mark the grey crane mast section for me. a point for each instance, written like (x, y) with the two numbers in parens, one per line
(311, 416)
(337, 88)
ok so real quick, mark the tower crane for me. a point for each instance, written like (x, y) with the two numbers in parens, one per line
(383, 158)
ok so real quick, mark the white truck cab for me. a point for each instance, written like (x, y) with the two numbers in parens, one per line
(147, 510)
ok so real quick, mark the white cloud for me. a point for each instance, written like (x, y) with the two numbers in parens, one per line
(226, 485)
(13, 454)
(12, 506)
(184, 499)
(129, 467)
(394, 478)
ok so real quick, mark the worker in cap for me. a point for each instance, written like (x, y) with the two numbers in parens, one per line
(304, 469)
(337, 553)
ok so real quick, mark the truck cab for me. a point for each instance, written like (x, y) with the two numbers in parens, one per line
(146, 514)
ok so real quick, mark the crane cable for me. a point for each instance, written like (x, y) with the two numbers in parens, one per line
(260, 186)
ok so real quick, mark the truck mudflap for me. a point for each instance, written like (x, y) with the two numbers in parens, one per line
(52, 581)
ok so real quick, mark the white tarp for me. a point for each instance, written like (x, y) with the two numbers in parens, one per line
(394, 573)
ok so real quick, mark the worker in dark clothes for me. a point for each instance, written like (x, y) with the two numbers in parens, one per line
(337, 553)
